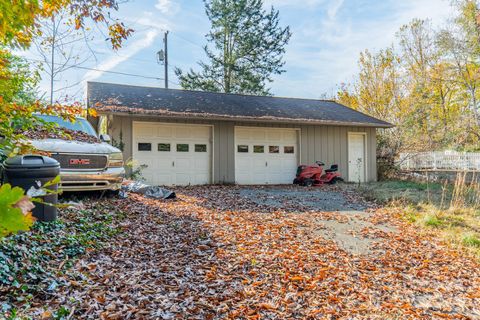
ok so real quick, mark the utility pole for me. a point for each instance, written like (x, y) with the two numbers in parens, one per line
(162, 57)
(52, 67)
(166, 58)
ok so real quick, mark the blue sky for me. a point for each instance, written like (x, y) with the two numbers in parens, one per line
(323, 51)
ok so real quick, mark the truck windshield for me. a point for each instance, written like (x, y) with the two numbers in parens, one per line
(80, 124)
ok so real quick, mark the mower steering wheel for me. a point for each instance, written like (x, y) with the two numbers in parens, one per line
(320, 163)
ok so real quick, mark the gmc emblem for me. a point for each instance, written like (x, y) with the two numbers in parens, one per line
(79, 161)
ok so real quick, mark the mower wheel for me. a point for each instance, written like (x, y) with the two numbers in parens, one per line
(335, 180)
(296, 181)
(308, 182)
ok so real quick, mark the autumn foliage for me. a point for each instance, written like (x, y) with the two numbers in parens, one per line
(18, 18)
(427, 84)
(19, 107)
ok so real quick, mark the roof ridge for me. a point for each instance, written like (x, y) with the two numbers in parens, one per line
(213, 92)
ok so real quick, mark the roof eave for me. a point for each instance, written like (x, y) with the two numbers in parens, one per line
(211, 117)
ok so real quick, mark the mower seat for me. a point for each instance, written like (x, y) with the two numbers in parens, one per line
(333, 168)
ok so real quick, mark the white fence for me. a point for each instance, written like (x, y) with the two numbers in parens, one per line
(440, 161)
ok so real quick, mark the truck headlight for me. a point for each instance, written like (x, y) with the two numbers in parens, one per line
(115, 160)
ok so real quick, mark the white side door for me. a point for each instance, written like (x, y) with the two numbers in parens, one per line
(356, 157)
(265, 155)
(174, 154)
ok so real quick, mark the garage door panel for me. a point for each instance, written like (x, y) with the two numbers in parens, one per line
(200, 133)
(149, 162)
(275, 178)
(274, 135)
(183, 179)
(144, 131)
(275, 164)
(201, 179)
(259, 163)
(290, 137)
(182, 133)
(164, 179)
(183, 164)
(257, 135)
(167, 166)
(202, 165)
(244, 164)
(164, 132)
(266, 167)
(243, 134)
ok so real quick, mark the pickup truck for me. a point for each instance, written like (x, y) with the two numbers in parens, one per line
(84, 165)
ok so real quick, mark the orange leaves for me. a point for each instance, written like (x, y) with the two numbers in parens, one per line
(296, 278)
(78, 23)
(212, 274)
(92, 112)
(19, 19)
(200, 258)
(322, 274)
(266, 306)
(117, 33)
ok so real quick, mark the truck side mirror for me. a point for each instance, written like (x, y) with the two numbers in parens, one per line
(105, 138)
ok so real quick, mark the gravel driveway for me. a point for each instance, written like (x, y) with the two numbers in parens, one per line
(227, 252)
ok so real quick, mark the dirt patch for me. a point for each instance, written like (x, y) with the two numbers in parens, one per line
(306, 198)
(347, 233)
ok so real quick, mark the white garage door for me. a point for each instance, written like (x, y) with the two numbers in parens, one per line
(175, 154)
(265, 155)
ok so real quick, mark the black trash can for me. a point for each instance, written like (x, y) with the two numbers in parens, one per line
(31, 170)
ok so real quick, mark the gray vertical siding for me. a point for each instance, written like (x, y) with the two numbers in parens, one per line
(330, 145)
(317, 143)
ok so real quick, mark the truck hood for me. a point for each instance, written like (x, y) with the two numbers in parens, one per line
(69, 146)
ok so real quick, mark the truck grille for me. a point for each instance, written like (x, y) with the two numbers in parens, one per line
(81, 161)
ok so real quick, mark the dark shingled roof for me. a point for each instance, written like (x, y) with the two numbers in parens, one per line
(116, 98)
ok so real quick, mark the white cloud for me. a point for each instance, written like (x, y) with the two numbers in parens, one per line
(126, 53)
(158, 24)
(324, 52)
(333, 9)
(167, 6)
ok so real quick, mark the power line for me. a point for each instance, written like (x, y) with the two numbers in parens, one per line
(107, 71)
(187, 40)
(117, 72)
(124, 56)
(100, 70)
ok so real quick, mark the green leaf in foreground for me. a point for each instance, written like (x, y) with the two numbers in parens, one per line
(12, 219)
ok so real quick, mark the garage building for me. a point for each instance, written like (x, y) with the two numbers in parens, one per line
(190, 137)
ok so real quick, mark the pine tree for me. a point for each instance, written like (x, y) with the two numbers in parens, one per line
(246, 49)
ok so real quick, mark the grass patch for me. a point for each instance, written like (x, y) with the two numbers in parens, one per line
(432, 221)
(452, 211)
(471, 241)
(37, 262)
(408, 192)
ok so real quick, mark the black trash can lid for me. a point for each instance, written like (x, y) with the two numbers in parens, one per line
(31, 161)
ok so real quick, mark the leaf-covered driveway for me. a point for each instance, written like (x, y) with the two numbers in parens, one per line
(213, 254)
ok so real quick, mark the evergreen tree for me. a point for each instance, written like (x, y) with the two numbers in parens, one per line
(247, 47)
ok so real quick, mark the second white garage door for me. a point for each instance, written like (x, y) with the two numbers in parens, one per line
(265, 155)
(175, 154)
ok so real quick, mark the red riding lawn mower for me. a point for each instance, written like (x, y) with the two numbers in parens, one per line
(313, 175)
